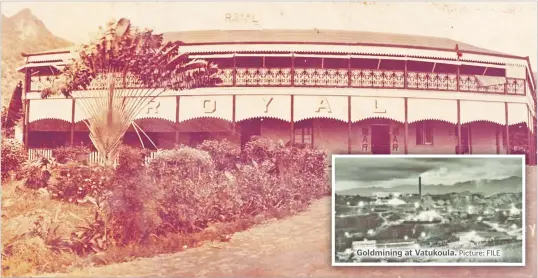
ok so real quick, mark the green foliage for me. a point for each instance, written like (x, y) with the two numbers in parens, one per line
(36, 173)
(132, 198)
(181, 163)
(75, 182)
(13, 155)
(131, 51)
(67, 154)
(224, 153)
(13, 113)
(186, 190)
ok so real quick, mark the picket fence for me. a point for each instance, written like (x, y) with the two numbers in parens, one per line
(94, 158)
(37, 153)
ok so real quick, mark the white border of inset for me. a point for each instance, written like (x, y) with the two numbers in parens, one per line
(333, 209)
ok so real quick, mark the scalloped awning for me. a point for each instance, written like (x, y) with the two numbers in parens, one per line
(473, 111)
(266, 106)
(377, 107)
(192, 107)
(518, 114)
(310, 107)
(59, 109)
(432, 109)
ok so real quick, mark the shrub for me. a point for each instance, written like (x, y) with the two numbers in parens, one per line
(224, 153)
(130, 160)
(74, 154)
(184, 191)
(188, 180)
(74, 182)
(13, 155)
(36, 173)
(259, 149)
(131, 204)
(181, 163)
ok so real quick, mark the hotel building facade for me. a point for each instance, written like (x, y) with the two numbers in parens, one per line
(342, 91)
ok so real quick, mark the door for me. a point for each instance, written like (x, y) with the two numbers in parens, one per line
(380, 139)
(249, 128)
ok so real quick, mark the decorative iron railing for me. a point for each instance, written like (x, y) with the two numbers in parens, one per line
(315, 77)
(364, 78)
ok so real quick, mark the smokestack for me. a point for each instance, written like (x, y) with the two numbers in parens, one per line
(419, 186)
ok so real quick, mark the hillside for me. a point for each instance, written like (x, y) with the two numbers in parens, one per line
(486, 187)
(23, 32)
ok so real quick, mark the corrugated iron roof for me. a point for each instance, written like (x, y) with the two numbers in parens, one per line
(313, 36)
(320, 36)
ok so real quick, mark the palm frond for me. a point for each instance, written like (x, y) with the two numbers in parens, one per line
(126, 52)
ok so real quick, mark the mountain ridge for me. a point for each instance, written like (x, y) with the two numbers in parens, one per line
(23, 33)
(511, 184)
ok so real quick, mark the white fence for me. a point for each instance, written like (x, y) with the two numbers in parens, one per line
(94, 158)
(37, 153)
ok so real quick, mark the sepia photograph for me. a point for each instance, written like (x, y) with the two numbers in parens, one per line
(429, 210)
(195, 139)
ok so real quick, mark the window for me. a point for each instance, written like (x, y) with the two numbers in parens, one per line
(424, 133)
(304, 133)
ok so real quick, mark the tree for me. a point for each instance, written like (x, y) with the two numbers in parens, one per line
(114, 78)
(12, 114)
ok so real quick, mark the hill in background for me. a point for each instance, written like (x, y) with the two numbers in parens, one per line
(486, 187)
(23, 32)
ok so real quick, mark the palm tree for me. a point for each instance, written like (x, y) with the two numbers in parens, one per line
(116, 77)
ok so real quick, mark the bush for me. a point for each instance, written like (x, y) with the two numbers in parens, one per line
(74, 182)
(181, 163)
(130, 160)
(224, 153)
(188, 180)
(71, 154)
(131, 204)
(287, 176)
(259, 149)
(13, 155)
(185, 191)
(36, 173)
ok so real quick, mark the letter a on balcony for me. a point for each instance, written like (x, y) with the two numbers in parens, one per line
(324, 105)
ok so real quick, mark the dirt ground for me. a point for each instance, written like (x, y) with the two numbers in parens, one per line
(299, 246)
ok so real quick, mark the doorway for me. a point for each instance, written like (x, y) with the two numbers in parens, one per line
(380, 139)
(249, 128)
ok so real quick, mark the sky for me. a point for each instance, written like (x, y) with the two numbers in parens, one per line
(357, 172)
(500, 26)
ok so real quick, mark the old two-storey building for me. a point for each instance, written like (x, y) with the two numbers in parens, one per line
(343, 91)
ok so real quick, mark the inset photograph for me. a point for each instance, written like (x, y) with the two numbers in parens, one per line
(428, 210)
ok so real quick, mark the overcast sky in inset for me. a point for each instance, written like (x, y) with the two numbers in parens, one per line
(509, 27)
(357, 172)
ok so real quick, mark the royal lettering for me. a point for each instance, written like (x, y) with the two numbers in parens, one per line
(324, 105)
(267, 102)
(245, 18)
(378, 109)
(210, 106)
(153, 106)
